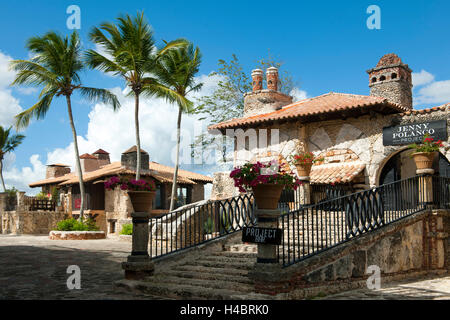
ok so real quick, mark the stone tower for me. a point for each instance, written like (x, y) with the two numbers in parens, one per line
(264, 100)
(391, 79)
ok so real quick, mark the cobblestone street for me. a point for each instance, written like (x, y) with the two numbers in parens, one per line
(431, 288)
(34, 267)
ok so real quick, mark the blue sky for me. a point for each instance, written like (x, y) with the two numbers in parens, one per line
(326, 46)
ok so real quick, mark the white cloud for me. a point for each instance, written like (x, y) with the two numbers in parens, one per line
(9, 106)
(298, 94)
(20, 178)
(421, 78)
(430, 91)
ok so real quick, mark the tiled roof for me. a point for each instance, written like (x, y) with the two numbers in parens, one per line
(324, 104)
(58, 165)
(100, 151)
(427, 110)
(159, 172)
(336, 172)
(87, 156)
(134, 149)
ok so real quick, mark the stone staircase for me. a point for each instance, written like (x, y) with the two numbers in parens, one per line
(209, 275)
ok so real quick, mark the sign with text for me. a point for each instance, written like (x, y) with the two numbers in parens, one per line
(414, 132)
(261, 235)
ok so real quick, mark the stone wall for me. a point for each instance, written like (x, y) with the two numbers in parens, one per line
(29, 222)
(407, 246)
(198, 192)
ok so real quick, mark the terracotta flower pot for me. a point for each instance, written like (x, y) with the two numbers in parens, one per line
(423, 160)
(142, 201)
(267, 195)
(304, 169)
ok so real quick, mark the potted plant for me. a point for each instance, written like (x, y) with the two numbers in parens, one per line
(208, 228)
(266, 180)
(303, 161)
(425, 152)
(141, 192)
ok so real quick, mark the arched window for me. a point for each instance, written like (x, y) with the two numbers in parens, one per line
(374, 79)
(382, 78)
(394, 76)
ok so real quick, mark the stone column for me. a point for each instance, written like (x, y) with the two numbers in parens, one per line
(20, 201)
(426, 185)
(266, 265)
(139, 264)
(304, 191)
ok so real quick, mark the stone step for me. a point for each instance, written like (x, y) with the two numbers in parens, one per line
(230, 259)
(232, 254)
(178, 291)
(204, 269)
(222, 264)
(228, 284)
(209, 276)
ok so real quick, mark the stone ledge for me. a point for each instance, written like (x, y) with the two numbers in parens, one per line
(76, 235)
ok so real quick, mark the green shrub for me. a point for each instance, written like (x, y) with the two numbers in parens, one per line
(76, 225)
(208, 227)
(41, 196)
(11, 192)
(127, 229)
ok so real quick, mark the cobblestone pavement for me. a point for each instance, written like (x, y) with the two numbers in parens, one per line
(34, 267)
(430, 288)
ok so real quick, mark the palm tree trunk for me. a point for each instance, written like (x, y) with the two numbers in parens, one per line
(1, 176)
(138, 140)
(175, 173)
(77, 157)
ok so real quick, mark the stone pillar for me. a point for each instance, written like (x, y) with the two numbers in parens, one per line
(139, 264)
(304, 191)
(20, 200)
(426, 185)
(266, 266)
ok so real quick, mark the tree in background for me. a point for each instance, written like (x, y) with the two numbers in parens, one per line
(227, 101)
(176, 75)
(7, 144)
(130, 52)
(56, 66)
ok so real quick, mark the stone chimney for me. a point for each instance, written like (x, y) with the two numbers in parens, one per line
(391, 79)
(129, 159)
(272, 78)
(102, 157)
(88, 163)
(56, 170)
(257, 78)
(261, 100)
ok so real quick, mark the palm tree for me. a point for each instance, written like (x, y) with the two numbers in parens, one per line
(7, 144)
(176, 75)
(130, 52)
(56, 66)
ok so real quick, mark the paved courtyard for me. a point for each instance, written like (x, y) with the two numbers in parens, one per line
(34, 267)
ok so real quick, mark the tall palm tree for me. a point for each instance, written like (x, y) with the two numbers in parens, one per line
(130, 52)
(176, 75)
(56, 66)
(7, 144)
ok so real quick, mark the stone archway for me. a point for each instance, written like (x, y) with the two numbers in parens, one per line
(399, 165)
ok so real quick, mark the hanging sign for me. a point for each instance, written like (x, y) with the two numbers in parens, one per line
(414, 132)
(261, 235)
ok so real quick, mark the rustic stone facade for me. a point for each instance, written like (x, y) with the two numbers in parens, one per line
(30, 222)
(263, 101)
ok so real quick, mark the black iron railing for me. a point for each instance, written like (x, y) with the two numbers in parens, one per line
(192, 225)
(316, 228)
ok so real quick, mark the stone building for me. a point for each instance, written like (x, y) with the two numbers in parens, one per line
(112, 208)
(363, 139)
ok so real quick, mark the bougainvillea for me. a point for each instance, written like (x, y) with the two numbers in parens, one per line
(252, 174)
(428, 145)
(130, 184)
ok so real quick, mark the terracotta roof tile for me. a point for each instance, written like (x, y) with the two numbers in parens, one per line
(134, 149)
(327, 103)
(100, 151)
(427, 110)
(87, 156)
(158, 171)
(336, 172)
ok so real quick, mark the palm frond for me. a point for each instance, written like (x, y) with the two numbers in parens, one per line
(38, 111)
(102, 95)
